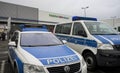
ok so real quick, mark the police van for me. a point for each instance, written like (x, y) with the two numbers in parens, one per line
(96, 41)
(34, 50)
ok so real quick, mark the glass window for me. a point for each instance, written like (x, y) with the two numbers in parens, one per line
(64, 28)
(58, 29)
(39, 39)
(99, 28)
(77, 28)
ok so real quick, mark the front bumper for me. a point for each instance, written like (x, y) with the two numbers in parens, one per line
(109, 58)
(74, 68)
(84, 69)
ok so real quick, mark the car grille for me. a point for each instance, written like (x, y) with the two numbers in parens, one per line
(116, 47)
(73, 68)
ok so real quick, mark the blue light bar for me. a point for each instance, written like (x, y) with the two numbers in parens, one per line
(23, 27)
(34, 29)
(75, 18)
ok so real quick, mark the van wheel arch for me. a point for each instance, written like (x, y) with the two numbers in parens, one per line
(86, 51)
(90, 59)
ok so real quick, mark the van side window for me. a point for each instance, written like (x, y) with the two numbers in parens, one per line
(78, 28)
(58, 29)
(64, 28)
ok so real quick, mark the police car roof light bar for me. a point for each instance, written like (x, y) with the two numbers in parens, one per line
(75, 18)
(23, 27)
(34, 29)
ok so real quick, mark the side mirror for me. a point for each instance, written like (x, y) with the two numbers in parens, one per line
(64, 41)
(12, 44)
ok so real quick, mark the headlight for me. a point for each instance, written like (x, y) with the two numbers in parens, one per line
(28, 68)
(105, 47)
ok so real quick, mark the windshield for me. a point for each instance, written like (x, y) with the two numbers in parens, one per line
(99, 28)
(39, 39)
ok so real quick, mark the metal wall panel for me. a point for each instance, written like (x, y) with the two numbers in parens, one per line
(27, 12)
(7, 10)
(18, 11)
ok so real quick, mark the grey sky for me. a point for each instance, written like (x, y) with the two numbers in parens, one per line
(102, 9)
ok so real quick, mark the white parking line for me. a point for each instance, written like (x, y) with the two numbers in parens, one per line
(2, 66)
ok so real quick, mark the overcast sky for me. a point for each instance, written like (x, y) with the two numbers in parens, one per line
(102, 9)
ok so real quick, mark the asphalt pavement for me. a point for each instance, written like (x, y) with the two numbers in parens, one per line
(5, 66)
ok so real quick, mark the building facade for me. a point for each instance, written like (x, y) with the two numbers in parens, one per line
(28, 15)
(115, 22)
(53, 17)
(18, 11)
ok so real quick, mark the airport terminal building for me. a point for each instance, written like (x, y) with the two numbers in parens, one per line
(28, 15)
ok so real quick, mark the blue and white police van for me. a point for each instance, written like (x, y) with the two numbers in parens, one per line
(96, 41)
(39, 51)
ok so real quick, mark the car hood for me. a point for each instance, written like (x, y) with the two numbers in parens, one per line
(109, 39)
(52, 54)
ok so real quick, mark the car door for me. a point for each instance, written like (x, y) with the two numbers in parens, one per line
(78, 38)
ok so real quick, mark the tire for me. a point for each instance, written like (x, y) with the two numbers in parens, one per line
(90, 61)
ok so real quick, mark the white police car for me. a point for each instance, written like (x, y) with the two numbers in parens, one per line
(41, 52)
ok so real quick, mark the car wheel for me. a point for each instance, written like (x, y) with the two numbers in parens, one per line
(90, 61)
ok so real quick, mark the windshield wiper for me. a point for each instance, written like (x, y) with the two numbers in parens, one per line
(28, 45)
(39, 45)
(106, 34)
(98, 34)
(112, 34)
(51, 45)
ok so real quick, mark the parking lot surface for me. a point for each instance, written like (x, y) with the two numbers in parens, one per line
(5, 66)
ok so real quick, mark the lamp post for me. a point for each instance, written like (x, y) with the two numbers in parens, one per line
(84, 8)
(113, 18)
